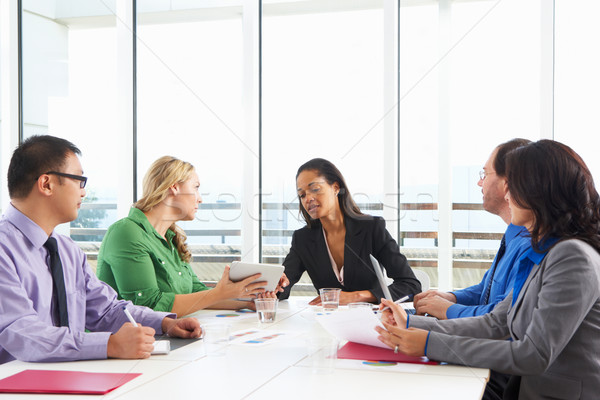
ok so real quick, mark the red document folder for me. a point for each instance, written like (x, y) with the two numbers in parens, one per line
(71, 382)
(357, 351)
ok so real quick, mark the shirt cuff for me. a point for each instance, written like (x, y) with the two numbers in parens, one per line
(94, 345)
(426, 343)
(165, 302)
(460, 297)
(453, 311)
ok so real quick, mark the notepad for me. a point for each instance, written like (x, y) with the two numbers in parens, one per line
(161, 347)
(64, 382)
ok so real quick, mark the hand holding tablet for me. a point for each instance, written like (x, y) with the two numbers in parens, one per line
(270, 273)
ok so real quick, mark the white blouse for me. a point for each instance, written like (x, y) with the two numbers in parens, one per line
(339, 275)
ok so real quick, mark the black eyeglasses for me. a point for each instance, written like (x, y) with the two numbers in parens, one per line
(82, 179)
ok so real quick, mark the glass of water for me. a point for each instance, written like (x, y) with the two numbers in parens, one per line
(266, 309)
(330, 298)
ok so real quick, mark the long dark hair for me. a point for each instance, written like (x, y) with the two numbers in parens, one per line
(331, 174)
(552, 181)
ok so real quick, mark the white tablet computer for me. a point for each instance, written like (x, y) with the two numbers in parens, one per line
(271, 273)
(381, 278)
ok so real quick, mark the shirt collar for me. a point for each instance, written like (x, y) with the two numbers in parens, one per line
(138, 216)
(514, 230)
(537, 256)
(32, 231)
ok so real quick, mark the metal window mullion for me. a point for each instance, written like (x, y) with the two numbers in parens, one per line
(251, 197)
(391, 189)
(444, 155)
(125, 110)
(10, 88)
(547, 58)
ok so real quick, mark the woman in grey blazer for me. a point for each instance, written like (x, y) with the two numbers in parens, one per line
(553, 314)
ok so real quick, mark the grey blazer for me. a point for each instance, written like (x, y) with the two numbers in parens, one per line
(554, 326)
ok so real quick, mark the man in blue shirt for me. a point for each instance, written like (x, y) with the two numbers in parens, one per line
(498, 280)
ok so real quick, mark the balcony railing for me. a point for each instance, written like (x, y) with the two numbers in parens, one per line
(418, 257)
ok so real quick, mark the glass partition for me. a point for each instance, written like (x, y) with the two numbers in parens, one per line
(69, 90)
(189, 105)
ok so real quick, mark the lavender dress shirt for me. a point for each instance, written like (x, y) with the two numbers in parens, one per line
(27, 330)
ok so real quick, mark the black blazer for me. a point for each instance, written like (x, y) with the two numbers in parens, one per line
(364, 236)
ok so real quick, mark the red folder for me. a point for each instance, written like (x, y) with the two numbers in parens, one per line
(71, 382)
(357, 351)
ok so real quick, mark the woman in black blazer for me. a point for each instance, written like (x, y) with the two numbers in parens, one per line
(335, 244)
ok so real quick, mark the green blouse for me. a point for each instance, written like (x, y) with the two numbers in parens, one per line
(142, 266)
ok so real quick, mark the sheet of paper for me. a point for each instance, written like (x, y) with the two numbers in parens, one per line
(355, 325)
(254, 338)
(226, 315)
(241, 336)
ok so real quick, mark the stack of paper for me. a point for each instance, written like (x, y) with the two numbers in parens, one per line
(357, 326)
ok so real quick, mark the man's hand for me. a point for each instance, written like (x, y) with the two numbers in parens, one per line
(431, 293)
(186, 328)
(435, 306)
(131, 342)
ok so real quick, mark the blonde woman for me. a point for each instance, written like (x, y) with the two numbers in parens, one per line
(145, 258)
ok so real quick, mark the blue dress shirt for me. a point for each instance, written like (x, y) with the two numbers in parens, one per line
(470, 301)
(27, 329)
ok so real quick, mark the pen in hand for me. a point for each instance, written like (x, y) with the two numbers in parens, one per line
(129, 317)
(403, 299)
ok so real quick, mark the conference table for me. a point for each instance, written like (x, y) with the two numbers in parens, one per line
(277, 364)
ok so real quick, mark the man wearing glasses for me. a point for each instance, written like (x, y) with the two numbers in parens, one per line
(49, 296)
(498, 280)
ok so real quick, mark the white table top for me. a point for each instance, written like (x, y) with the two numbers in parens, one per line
(276, 369)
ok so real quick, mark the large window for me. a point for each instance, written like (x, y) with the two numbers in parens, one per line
(323, 96)
(466, 85)
(69, 90)
(577, 82)
(493, 95)
(189, 105)
(407, 98)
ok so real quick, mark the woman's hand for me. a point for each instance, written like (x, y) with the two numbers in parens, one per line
(244, 288)
(394, 315)
(283, 282)
(315, 302)
(348, 297)
(409, 341)
(267, 295)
